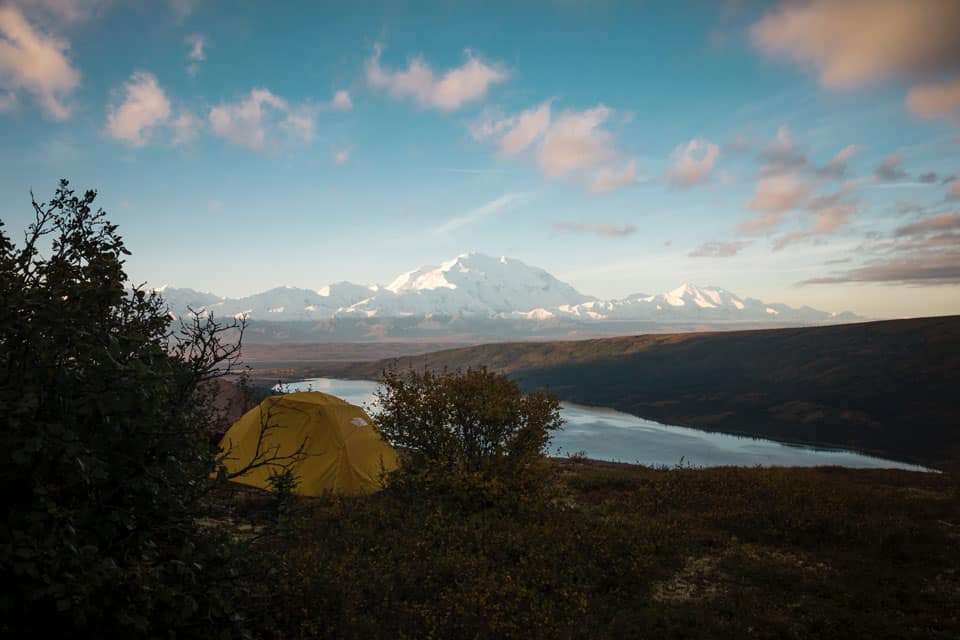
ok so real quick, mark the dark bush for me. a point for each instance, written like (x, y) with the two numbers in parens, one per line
(474, 420)
(105, 433)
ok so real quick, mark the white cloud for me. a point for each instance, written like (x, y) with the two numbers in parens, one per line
(503, 203)
(144, 106)
(197, 44)
(515, 133)
(610, 179)
(341, 101)
(185, 127)
(830, 219)
(782, 156)
(779, 194)
(35, 62)
(300, 122)
(827, 220)
(572, 144)
(692, 163)
(855, 42)
(244, 123)
(945, 222)
(762, 223)
(783, 144)
(448, 92)
(852, 43)
(787, 239)
(837, 167)
(576, 142)
(492, 125)
(248, 123)
(530, 125)
(889, 170)
(8, 102)
(197, 53)
(719, 249)
(953, 193)
(603, 230)
(342, 156)
(938, 100)
(845, 154)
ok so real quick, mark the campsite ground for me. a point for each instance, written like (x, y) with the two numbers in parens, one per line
(612, 550)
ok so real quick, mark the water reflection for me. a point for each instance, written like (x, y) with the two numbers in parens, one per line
(605, 434)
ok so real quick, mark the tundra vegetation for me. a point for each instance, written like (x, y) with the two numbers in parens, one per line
(116, 524)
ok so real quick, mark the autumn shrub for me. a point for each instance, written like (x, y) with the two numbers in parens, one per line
(471, 433)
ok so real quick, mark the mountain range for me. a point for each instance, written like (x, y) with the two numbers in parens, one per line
(480, 287)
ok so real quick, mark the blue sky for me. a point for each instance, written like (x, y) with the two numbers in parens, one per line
(769, 149)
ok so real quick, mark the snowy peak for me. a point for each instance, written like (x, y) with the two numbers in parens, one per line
(344, 294)
(703, 297)
(474, 284)
(424, 278)
(482, 286)
(180, 301)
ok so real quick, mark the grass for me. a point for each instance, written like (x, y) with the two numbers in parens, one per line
(609, 550)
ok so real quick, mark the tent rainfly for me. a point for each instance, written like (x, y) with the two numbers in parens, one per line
(341, 451)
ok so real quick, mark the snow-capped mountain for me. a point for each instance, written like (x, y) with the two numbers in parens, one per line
(181, 300)
(470, 284)
(280, 303)
(692, 303)
(482, 287)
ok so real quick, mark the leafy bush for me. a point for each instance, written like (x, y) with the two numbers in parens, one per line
(105, 430)
(474, 420)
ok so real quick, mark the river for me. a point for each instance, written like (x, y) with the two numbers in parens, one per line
(605, 434)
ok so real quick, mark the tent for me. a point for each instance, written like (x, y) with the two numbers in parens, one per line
(343, 452)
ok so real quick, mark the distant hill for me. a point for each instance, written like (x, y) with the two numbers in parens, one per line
(890, 388)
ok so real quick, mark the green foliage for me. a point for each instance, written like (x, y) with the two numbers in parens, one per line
(284, 482)
(104, 428)
(475, 421)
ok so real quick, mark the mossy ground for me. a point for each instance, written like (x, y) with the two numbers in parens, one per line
(607, 550)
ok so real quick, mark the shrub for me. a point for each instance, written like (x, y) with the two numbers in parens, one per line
(284, 483)
(473, 421)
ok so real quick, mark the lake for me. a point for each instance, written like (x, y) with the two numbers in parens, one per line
(605, 434)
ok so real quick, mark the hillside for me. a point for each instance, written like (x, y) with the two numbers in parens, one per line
(617, 551)
(887, 388)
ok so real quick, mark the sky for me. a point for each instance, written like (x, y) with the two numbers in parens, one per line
(796, 152)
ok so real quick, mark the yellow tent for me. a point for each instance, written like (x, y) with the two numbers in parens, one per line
(343, 452)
